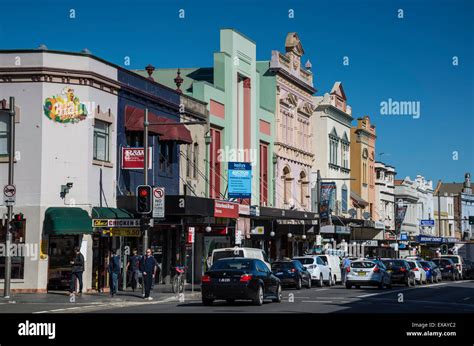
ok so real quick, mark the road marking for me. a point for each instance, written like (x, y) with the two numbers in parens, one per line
(400, 290)
(467, 298)
(317, 301)
(57, 310)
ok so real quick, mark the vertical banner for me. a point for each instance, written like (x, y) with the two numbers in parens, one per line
(327, 200)
(399, 217)
(239, 179)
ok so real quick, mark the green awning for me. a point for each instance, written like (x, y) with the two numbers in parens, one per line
(111, 213)
(67, 221)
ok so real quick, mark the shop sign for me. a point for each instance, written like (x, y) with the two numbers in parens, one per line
(191, 232)
(134, 158)
(370, 243)
(108, 223)
(125, 232)
(426, 239)
(379, 225)
(400, 216)
(343, 230)
(239, 181)
(238, 237)
(327, 229)
(65, 107)
(226, 209)
(389, 236)
(429, 223)
(244, 209)
(254, 210)
(259, 230)
(403, 236)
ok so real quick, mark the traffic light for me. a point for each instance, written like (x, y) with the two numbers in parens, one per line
(144, 199)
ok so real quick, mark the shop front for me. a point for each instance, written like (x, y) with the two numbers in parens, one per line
(66, 228)
(432, 247)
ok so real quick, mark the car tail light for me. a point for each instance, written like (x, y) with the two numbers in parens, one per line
(348, 269)
(403, 270)
(426, 269)
(449, 266)
(415, 269)
(245, 278)
(292, 270)
(205, 278)
(376, 270)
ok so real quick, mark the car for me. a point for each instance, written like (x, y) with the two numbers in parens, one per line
(320, 272)
(401, 272)
(292, 273)
(469, 269)
(334, 264)
(368, 273)
(240, 278)
(417, 268)
(433, 273)
(448, 268)
(246, 252)
(459, 263)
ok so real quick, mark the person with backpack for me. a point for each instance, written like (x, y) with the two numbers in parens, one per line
(114, 272)
(77, 270)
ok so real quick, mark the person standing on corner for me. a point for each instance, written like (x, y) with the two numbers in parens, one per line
(114, 271)
(133, 268)
(345, 264)
(149, 271)
(77, 270)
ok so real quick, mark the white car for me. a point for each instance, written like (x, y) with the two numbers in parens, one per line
(417, 268)
(320, 272)
(368, 273)
(334, 263)
(246, 252)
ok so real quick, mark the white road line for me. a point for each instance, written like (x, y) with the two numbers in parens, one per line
(57, 310)
(40, 312)
(317, 301)
(401, 290)
(467, 298)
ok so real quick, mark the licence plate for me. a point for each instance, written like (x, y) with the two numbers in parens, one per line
(279, 273)
(224, 280)
(361, 273)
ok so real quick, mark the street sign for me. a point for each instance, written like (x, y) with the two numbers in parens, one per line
(191, 235)
(158, 202)
(429, 223)
(238, 237)
(403, 236)
(9, 195)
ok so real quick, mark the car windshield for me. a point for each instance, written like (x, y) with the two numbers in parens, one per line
(282, 266)
(363, 264)
(425, 264)
(232, 264)
(455, 259)
(393, 263)
(226, 254)
(305, 260)
(412, 265)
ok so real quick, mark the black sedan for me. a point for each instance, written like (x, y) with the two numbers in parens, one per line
(448, 268)
(240, 278)
(469, 269)
(292, 273)
(401, 272)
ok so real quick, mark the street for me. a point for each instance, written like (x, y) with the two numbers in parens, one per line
(444, 297)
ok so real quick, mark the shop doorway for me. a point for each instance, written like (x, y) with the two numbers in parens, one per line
(61, 252)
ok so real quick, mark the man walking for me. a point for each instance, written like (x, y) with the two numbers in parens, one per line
(133, 267)
(149, 271)
(114, 271)
(77, 270)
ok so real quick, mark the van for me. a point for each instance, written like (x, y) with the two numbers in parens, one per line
(246, 252)
(334, 264)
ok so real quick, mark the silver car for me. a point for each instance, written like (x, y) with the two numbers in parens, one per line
(368, 273)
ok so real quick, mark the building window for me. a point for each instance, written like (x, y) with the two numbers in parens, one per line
(364, 172)
(303, 189)
(263, 174)
(4, 124)
(344, 198)
(166, 157)
(101, 140)
(333, 147)
(286, 185)
(188, 160)
(134, 139)
(215, 164)
(195, 160)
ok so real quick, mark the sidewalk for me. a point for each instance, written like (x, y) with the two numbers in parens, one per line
(159, 293)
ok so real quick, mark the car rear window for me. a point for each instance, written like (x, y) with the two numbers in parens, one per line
(390, 263)
(235, 264)
(303, 260)
(455, 259)
(412, 265)
(282, 266)
(425, 264)
(363, 264)
(226, 254)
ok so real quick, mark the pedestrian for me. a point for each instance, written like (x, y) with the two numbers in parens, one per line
(345, 264)
(149, 271)
(77, 270)
(114, 271)
(133, 267)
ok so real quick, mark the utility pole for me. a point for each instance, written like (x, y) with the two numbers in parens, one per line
(439, 215)
(144, 221)
(11, 162)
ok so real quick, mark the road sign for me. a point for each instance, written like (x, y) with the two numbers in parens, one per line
(429, 223)
(9, 195)
(158, 202)
(191, 235)
(238, 237)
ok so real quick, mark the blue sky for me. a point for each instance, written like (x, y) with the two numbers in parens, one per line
(407, 59)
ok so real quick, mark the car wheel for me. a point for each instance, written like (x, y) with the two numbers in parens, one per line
(348, 286)
(230, 301)
(329, 282)
(320, 281)
(334, 281)
(258, 300)
(380, 285)
(309, 283)
(207, 301)
(278, 295)
(299, 283)
(453, 277)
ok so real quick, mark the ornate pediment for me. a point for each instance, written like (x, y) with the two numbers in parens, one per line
(290, 100)
(307, 108)
(293, 44)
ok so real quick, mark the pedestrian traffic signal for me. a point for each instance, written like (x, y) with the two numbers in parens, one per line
(144, 199)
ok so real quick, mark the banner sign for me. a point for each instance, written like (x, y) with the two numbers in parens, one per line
(226, 209)
(115, 223)
(239, 179)
(400, 216)
(191, 232)
(327, 200)
(133, 158)
(65, 107)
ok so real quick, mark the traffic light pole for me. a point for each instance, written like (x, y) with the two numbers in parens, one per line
(144, 224)
(11, 161)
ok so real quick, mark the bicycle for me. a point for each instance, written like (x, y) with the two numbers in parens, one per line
(179, 279)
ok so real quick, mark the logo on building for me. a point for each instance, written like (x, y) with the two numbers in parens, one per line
(65, 108)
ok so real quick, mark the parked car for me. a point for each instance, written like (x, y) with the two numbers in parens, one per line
(320, 272)
(368, 273)
(334, 264)
(448, 268)
(400, 271)
(459, 263)
(292, 273)
(433, 274)
(417, 268)
(246, 252)
(240, 278)
(469, 269)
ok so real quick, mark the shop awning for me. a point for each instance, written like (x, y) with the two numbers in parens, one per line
(360, 202)
(67, 221)
(134, 122)
(111, 213)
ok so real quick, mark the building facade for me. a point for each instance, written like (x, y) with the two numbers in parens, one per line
(385, 195)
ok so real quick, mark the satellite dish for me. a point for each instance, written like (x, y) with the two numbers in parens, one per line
(366, 215)
(352, 212)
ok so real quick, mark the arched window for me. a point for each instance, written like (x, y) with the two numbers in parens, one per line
(344, 198)
(303, 189)
(286, 185)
